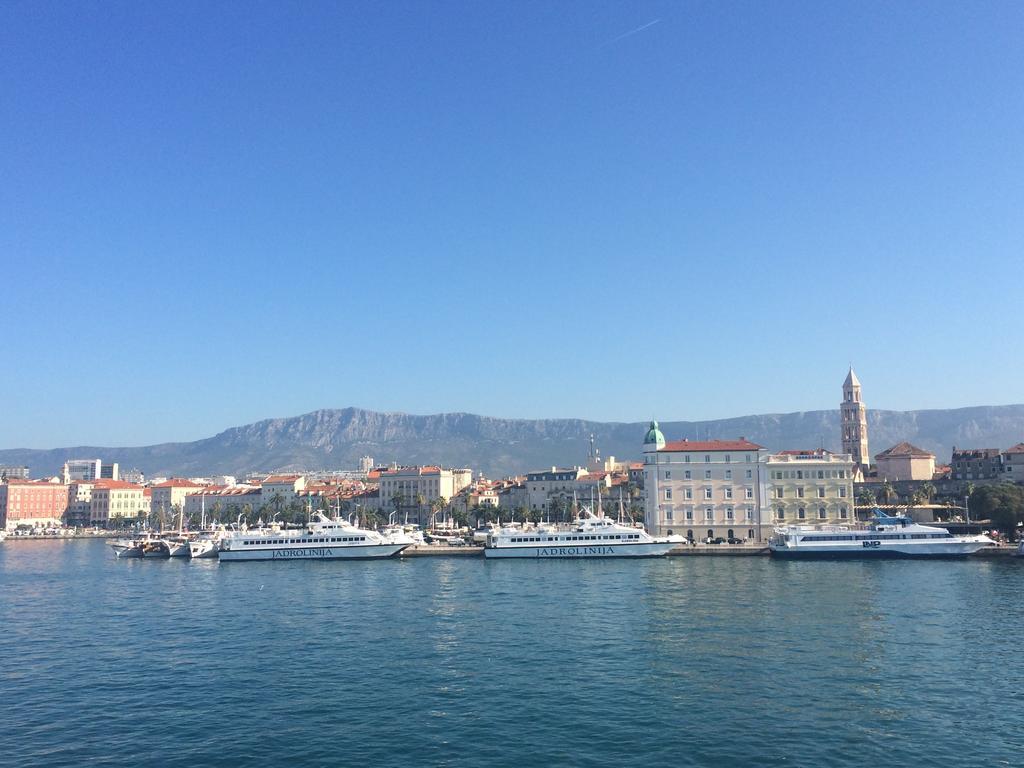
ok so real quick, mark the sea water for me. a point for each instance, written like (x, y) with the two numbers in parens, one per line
(467, 662)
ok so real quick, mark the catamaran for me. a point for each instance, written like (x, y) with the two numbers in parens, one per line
(322, 539)
(884, 536)
(588, 536)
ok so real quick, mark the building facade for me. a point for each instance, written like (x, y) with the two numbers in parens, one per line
(13, 473)
(281, 489)
(905, 461)
(169, 496)
(854, 422)
(813, 487)
(32, 503)
(115, 502)
(705, 489)
(79, 504)
(89, 469)
(408, 483)
(544, 485)
(1013, 463)
(976, 463)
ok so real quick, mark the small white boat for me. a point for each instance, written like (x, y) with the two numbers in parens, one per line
(206, 544)
(127, 547)
(178, 546)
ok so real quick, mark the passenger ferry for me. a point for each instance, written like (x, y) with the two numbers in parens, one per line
(322, 539)
(884, 536)
(588, 536)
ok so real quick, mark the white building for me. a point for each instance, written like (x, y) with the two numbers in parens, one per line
(429, 482)
(544, 485)
(89, 469)
(223, 504)
(282, 488)
(169, 496)
(811, 487)
(705, 489)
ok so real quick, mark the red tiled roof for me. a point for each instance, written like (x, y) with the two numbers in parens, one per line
(1018, 448)
(101, 484)
(178, 482)
(904, 449)
(281, 478)
(711, 445)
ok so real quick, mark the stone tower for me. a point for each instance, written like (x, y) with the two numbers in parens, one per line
(854, 418)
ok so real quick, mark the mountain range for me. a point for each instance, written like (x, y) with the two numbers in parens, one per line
(336, 438)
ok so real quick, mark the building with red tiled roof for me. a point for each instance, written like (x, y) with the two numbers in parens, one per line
(35, 503)
(117, 503)
(169, 496)
(1013, 463)
(705, 489)
(976, 463)
(905, 461)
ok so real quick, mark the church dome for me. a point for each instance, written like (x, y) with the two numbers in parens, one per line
(654, 436)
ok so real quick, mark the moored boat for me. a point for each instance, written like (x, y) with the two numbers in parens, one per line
(127, 547)
(589, 536)
(884, 536)
(322, 539)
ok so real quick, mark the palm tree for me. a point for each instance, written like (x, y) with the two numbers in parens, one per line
(276, 501)
(888, 491)
(246, 511)
(928, 489)
(436, 505)
(398, 499)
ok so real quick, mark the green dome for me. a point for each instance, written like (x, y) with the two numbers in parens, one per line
(654, 436)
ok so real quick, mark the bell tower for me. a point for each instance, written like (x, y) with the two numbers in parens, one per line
(854, 421)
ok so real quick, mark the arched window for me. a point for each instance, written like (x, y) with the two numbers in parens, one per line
(711, 534)
(821, 513)
(801, 513)
(689, 534)
(732, 534)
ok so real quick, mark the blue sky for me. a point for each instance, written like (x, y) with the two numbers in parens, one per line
(213, 213)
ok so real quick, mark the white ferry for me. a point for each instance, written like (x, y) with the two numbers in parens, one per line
(589, 536)
(884, 537)
(322, 539)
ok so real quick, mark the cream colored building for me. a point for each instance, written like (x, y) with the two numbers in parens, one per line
(429, 482)
(811, 487)
(545, 484)
(905, 462)
(705, 489)
(169, 496)
(116, 500)
(286, 487)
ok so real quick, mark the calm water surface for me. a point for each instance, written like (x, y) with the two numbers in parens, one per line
(463, 662)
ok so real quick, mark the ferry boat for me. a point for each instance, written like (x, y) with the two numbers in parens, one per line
(588, 536)
(884, 536)
(322, 539)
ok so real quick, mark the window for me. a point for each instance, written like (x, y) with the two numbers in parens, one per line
(842, 492)
(821, 492)
(707, 493)
(821, 513)
(801, 513)
(799, 474)
(688, 493)
(686, 474)
(728, 493)
(707, 474)
(668, 494)
(750, 474)
(686, 459)
(780, 513)
(750, 513)
(748, 493)
(779, 493)
(799, 493)
(668, 474)
(689, 513)
(728, 458)
(728, 513)
(728, 474)
(842, 513)
(709, 513)
(821, 474)
(668, 513)
(707, 458)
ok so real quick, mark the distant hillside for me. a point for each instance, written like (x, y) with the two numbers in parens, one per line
(337, 438)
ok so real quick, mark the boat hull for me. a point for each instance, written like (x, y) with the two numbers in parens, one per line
(366, 552)
(578, 551)
(909, 552)
(203, 550)
(122, 551)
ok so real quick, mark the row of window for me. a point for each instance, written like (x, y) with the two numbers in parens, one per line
(275, 542)
(780, 493)
(801, 513)
(709, 514)
(727, 493)
(687, 475)
(799, 474)
(595, 537)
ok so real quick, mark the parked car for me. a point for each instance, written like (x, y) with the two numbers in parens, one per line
(719, 540)
(734, 540)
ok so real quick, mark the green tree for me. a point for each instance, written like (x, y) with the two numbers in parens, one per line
(1001, 504)
(397, 500)
(866, 498)
(436, 505)
(888, 491)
